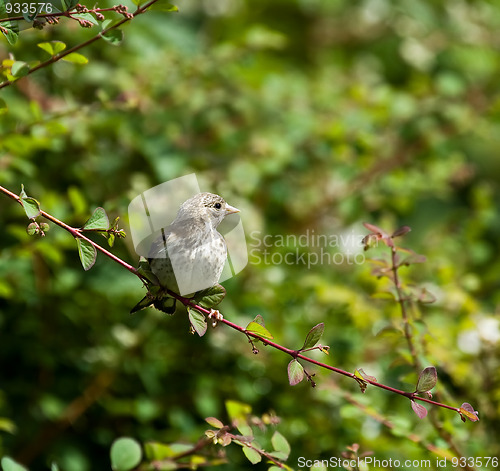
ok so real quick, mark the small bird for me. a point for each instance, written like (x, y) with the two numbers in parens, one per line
(190, 254)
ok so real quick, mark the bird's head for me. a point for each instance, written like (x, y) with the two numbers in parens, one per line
(207, 206)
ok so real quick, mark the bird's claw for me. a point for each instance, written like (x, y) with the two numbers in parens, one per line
(215, 316)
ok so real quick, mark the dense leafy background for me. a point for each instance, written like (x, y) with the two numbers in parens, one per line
(310, 115)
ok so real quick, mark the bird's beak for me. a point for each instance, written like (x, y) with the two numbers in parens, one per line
(231, 209)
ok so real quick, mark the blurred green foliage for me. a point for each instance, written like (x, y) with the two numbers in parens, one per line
(311, 116)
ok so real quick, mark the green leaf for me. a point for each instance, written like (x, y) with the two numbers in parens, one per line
(208, 298)
(86, 17)
(259, 329)
(214, 422)
(20, 69)
(33, 229)
(31, 205)
(111, 240)
(76, 58)
(114, 36)
(126, 454)
(99, 220)
(163, 5)
(426, 380)
(8, 464)
(198, 321)
(295, 372)
(87, 252)
(253, 456)
(10, 30)
(314, 336)
(280, 444)
(52, 47)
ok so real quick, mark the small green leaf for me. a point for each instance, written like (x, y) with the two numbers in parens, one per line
(87, 252)
(99, 220)
(111, 240)
(426, 380)
(126, 454)
(198, 321)
(8, 464)
(419, 409)
(86, 17)
(10, 30)
(52, 47)
(163, 5)
(255, 328)
(32, 228)
(314, 336)
(114, 36)
(252, 455)
(214, 422)
(31, 205)
(280, 444)
(76, 58)
(295, 372)
(208, 298)
(20, 69)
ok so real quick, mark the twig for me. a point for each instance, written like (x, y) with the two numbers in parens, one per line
(188, 302)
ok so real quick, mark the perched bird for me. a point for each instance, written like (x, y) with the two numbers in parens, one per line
(190, 254)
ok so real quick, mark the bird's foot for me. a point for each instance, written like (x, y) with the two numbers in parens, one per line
(215, 317)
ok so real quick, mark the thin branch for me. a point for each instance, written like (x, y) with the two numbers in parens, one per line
(402, 304)
(189, 302)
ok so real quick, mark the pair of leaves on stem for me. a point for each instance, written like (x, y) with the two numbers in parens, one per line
(98, 222)
(295, 369)
(207, 298)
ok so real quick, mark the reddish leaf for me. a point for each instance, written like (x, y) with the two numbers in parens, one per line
(401, 231)
(419, 409)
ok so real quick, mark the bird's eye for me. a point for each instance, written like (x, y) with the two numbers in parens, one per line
(217, 205)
